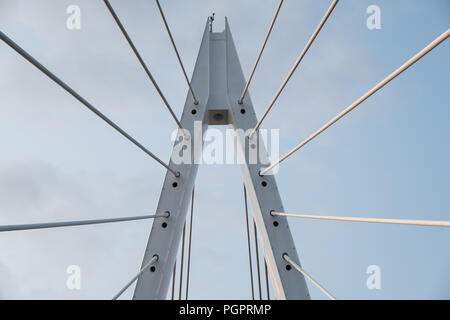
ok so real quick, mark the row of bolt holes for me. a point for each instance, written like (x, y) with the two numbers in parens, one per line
(164, 224)
(175, 184)
(275, 223)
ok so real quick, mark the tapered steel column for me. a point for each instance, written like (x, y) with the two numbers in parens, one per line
(218, 82)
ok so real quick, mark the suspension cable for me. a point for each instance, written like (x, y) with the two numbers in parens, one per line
(190, 244)
(394, 74)
(257, 261)
(294, 67)
(299, 269)
(430, 223)
(173, 279)
(147, 71)
(241, 99)
(182, 263)
(267, 280)
(43, 69)
(248, 244)
(176, 52)
(74, 223)
(149, 264)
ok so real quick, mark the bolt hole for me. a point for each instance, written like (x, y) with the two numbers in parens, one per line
(264, 183)
(175, 184)
(243, 111)
(164, 225)
(152, 268)
(193, 111)
(288, 267)
(275, 223)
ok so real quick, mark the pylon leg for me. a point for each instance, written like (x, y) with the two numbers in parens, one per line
(218, 82)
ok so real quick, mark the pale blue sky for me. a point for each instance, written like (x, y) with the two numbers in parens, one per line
(388, 158)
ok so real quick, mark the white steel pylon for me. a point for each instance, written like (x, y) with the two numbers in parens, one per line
(218, 82)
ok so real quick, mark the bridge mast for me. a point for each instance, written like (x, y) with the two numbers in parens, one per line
(218, 82)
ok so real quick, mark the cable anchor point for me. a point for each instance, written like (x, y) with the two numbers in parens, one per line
(211, 20)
